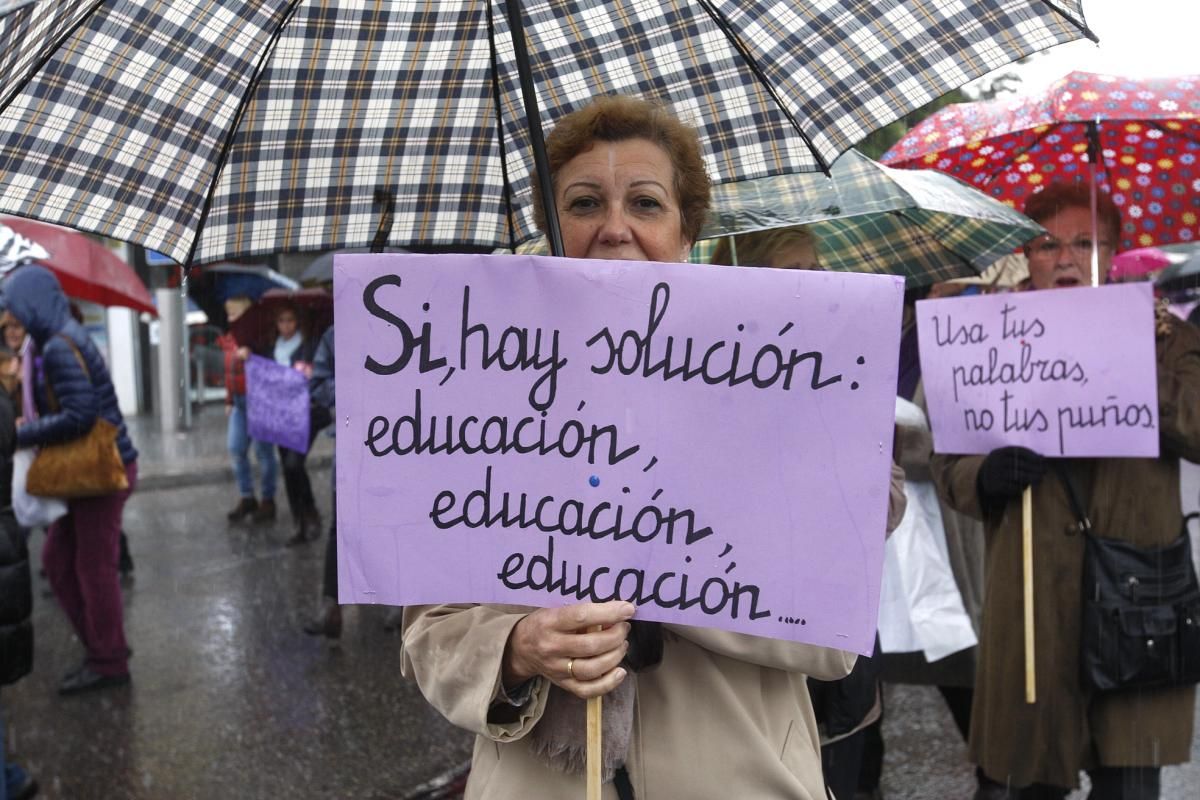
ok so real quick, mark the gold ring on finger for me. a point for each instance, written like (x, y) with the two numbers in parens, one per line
(571, 668)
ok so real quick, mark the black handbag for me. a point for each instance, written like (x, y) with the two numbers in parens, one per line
(1141, 610)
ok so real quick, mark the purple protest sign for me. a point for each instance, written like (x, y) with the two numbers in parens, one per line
(1065, 372)
(276, 404)
(712, 443)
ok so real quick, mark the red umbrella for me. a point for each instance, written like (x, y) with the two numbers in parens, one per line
(256, 326)
(86, 269)
(1148, 131)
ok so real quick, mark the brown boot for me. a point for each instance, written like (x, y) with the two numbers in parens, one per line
(265, 511)
(246, 507)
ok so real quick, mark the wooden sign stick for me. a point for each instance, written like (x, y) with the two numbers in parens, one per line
(595, 756)
(1027, 561)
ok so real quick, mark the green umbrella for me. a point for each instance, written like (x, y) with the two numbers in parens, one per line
(924, 225)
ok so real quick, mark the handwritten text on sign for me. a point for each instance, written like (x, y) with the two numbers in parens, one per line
(1065, 372)
(276, 404)
(711, 443)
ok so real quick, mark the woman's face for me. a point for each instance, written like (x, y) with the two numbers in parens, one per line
(1063, 256)
(618, 201)
(14, 333)
(285, 323)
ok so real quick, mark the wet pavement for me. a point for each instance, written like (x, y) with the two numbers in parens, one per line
(231, 699)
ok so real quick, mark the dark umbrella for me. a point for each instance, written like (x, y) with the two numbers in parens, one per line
(1181, 276)
(320, 269)
(256, 326)
(283, 126)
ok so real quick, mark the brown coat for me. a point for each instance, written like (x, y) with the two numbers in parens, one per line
(1069, 728)
(723, 715)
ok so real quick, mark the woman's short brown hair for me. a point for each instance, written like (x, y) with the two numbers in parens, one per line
(757, 249)
(616, 118)
(1058, 196)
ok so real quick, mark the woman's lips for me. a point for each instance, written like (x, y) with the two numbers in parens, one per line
(1066, 280)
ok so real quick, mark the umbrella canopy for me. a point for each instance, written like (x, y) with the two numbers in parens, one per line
(249, 280)
(869, 218)
(320, 269)
(1138, 263)
(86, 269)
(1148, 131)
(278, 126)
(257, 325)
(1180, 276)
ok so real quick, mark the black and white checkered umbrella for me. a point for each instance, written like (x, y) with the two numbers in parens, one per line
(210, 129)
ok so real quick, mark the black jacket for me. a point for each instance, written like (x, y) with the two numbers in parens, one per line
(16, 594)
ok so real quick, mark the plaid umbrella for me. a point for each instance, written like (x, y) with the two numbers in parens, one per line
(1148, 131)
(869, 218)
(207, 130)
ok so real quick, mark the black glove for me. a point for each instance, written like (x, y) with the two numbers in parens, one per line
(1005, 473)
(645, 645)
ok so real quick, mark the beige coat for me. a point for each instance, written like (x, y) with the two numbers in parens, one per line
(723, 715)
(1069, 728)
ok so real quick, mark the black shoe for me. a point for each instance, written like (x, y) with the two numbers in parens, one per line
(328, 623)
(245, 508)
(125, 561)
(85, 680)
(74, 671)
(28, 789)
(312, 525)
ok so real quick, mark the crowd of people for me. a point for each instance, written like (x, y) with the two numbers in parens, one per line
(690, 712)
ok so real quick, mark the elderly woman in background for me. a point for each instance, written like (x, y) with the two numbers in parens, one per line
(1122, 738)
(710, 713)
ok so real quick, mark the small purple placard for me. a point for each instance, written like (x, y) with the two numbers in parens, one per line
(276, 404)
(712, 443)
(1064, 372)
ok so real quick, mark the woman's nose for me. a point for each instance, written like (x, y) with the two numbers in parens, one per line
(615, 227)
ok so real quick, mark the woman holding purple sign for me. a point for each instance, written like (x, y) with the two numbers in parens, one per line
(292, 348)
(689, 712)
(1121, 737)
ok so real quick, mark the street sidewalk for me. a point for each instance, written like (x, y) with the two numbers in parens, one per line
(197, 456)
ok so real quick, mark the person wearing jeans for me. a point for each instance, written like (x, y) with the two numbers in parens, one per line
(81, 551)
(237, 436)
(239, 443)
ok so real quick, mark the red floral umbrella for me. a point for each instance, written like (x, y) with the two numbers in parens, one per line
(1148, 131)
(86, 269)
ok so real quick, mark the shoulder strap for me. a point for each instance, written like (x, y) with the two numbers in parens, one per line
(50, 396)
(78, 355)
(1081, 517)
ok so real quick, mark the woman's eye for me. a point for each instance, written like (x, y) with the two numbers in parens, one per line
(582, 204)
(647, 203)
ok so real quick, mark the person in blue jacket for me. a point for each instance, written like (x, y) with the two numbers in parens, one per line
(81, 550)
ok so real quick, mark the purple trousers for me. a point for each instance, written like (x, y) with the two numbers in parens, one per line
(80, 559)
